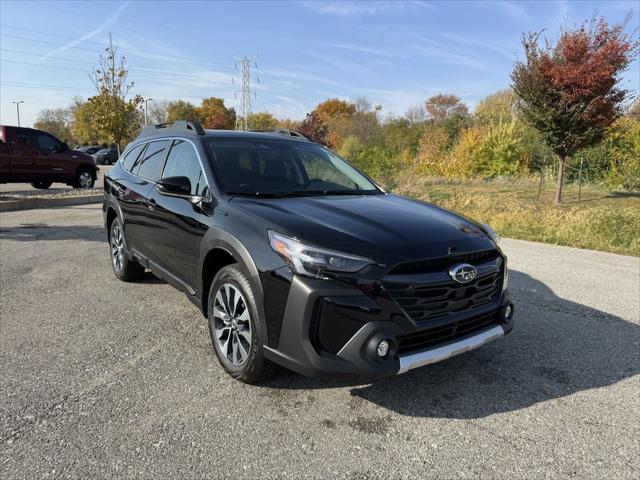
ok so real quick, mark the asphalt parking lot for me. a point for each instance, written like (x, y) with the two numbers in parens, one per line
(102, 379)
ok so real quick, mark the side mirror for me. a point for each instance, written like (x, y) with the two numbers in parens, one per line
(64, 146)
(178, 186)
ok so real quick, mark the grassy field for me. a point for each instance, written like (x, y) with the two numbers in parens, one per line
(603, 220)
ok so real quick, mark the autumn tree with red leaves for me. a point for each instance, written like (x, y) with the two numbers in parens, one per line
(314, 128)
(570, 91)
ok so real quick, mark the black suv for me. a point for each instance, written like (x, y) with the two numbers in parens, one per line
(298, 259)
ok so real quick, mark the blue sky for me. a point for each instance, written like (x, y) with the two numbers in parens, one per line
(395, 53)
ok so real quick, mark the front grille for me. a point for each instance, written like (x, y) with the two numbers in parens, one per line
(439, 298)
(443, 334)
(437, 264)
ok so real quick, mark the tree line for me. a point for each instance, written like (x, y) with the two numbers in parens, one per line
(565, 104)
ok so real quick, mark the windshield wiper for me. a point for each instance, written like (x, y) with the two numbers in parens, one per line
(302, 193)
(276, 194)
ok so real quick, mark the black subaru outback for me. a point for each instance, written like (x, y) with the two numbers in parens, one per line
(297, 259)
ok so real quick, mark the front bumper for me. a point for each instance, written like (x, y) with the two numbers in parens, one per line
(303, 347)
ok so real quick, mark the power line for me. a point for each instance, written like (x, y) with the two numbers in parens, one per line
(46, 66)
(45, 86)
(67, 59)
(55, 57)
(242, 121)
(101, 44)
(132, 70)
(135, 54)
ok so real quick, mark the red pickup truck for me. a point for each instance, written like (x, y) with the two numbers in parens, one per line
(32, 156)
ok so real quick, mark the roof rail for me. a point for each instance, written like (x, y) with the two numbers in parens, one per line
(179, 126)
(284, 131)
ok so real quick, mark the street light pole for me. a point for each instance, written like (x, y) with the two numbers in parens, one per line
(146, 101)
(18, 102)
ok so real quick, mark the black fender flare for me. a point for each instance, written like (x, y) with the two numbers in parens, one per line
(112, 204)
(219, 238)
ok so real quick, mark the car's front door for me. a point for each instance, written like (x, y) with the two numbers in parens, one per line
(175, 222)
(52, 161)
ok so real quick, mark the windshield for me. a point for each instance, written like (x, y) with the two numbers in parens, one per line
(284, 168)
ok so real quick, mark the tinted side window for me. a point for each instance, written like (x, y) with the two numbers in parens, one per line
(44, 141)
(133, 154)
(22, 136)
(151, 165)
(183, 162)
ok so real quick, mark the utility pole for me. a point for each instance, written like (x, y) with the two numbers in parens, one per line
(18, 102)
(146, 108)
(242, 118)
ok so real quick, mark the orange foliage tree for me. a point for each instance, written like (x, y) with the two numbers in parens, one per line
(214, 114)
(570, 91)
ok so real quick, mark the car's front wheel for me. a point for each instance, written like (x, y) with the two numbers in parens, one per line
(84, 179)
(236, 331)
(126, 269)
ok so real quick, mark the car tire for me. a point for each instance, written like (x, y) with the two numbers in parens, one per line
(41, 185)
(84, 178)
(237, 334)
(125, 268)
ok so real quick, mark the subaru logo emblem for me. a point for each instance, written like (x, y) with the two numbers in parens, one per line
(463, 273)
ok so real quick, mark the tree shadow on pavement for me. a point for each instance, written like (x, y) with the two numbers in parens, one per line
(557, 348)
(28, 232)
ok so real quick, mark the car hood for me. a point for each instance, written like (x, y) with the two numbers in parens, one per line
(387, 227)
(79, 154)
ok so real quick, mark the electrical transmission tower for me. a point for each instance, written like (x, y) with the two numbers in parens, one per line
(244, 66)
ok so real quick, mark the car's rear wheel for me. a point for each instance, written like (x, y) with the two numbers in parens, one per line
(84, 179)
(125, 268)
(41, 185)
(236, 331)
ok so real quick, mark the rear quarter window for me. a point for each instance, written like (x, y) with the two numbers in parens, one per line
(129, 159)
(150, 167)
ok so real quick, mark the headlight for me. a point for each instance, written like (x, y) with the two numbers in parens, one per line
(492, 234)
(312, 261)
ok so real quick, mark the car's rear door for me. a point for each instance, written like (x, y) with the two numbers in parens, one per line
(175, 224)
(23, 155)
(131, 193)
(5, 157)
(146, 170)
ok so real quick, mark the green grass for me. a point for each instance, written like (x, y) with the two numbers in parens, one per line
(603, 220)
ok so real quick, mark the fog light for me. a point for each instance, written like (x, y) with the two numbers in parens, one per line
(508, 311)
(383, 348)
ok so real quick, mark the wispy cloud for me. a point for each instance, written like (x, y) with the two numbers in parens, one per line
(476, 42)
(441, 56)
(442, 52)
(339, 63)
(361, 49)
(110, 20)
(349, 8)
(515, 9)
(300, 76)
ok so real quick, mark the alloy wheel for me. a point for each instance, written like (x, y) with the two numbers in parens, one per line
(85, 179)
(117, 247)
(232, 324)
